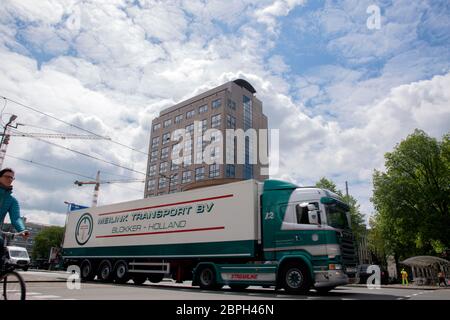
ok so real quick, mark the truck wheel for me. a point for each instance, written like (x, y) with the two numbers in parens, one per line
(139, 279)
(105, 271)
(155, 277)
(87, 272)
(121, 272)
(295, 278)
(207, 279)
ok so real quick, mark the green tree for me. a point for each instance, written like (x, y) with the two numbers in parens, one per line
(45, 240)
(357, 218)
(412, 196)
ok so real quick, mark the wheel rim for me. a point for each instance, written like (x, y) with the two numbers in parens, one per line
(86, 271)
(206, 277)
(106, 271)
(121, 270)
(294, 278)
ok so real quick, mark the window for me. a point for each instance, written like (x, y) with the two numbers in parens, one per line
(151, 185)
(214, 170)
(204, 125)
(216, 121)
(231, 104)
(216, 103)
(187, 176)
(166, 138)
(231, 122)
(190, 114)
(165, 153)
(179, 118)
(167, 123)
(156, 127)
(154, 155)
(174, 166)
(199, 173)
(162, 183)
(174, 180)
(231, 170)
(203, 109)
(155, 143)
(190, 128)
(302, 214)
(152, 170)
(163, 166)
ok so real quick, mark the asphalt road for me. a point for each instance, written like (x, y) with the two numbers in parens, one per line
(53, 286)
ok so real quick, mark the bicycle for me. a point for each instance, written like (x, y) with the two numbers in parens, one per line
(11, 281)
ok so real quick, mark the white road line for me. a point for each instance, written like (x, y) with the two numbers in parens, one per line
(47, 297)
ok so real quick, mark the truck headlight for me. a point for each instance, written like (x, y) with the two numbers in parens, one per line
(333, 266)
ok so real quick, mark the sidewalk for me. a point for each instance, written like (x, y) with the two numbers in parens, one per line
(399, 286)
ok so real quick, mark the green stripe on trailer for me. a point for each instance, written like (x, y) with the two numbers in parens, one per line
(245, 248)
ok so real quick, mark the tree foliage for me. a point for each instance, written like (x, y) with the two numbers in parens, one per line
(411, 198)
(357, 218)
(45, 240)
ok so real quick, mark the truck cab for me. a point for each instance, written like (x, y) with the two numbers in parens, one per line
(17, 257)
(310, 225)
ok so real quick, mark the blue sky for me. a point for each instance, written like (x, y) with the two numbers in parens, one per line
(341, 94)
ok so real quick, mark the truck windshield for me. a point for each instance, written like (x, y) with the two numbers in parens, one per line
(18, 254)
(337, 216)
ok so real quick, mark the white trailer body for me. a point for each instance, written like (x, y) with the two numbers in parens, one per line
(209, 222)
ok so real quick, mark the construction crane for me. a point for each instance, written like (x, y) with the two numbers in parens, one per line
(7, 133)
(97, 183)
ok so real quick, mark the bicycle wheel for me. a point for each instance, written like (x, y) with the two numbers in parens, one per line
(13, 286)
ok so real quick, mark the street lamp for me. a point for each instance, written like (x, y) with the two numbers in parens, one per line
(11, 119)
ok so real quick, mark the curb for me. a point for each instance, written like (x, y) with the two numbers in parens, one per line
(400, 287)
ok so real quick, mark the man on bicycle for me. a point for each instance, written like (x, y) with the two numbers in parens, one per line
(9, 204)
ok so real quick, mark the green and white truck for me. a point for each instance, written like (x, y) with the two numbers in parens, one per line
(241, 234)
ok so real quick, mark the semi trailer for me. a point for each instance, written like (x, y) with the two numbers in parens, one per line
(247, 233)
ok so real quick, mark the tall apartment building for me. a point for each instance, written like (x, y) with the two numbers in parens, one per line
(232, 105)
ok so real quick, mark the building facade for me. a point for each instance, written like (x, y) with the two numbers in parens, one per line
(232, 105)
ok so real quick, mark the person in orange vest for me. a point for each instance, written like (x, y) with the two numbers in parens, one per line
(404, 277)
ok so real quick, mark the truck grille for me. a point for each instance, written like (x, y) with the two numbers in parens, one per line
(347, 249)
(22, 262)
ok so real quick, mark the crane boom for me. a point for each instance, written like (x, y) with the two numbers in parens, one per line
(57, 135)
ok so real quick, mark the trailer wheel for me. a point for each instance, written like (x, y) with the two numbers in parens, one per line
(207, 278)
(87, 271)
(155, 277)
(295, 278)
(121, 274)
(139, 279)
(105, 272)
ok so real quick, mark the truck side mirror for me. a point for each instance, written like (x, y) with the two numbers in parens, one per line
(310, 213)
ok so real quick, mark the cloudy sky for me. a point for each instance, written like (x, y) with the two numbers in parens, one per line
(342, 89)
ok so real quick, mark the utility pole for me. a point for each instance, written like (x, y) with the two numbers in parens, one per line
(5, 139)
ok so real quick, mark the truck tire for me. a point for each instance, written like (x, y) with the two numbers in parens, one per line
(87, 270)
(295, 278)
(207, 278)
(105, 272)
(121, 274)
(139, 279)
(155, 277)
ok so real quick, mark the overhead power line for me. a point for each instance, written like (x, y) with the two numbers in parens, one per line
(88, 155)
(66, 171)
(72, 125)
